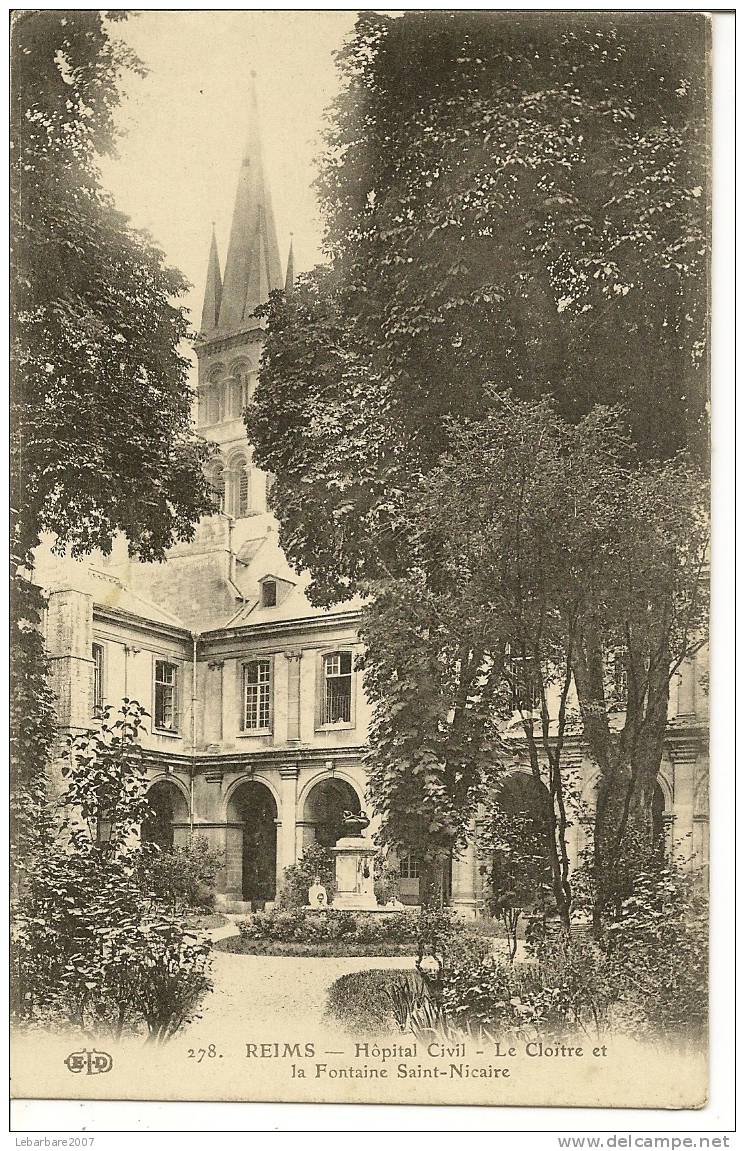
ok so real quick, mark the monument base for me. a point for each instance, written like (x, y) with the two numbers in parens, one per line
(354, 859)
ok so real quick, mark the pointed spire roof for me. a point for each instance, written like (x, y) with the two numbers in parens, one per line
(252, 268)
(290, 277)
(213, 289)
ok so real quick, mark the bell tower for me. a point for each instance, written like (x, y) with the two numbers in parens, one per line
(230, 338)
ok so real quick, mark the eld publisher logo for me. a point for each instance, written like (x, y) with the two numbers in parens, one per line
(92, 1062)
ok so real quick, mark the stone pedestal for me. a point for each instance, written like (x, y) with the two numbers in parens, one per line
(353, 868)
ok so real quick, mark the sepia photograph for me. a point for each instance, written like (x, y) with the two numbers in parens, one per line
(360, 556)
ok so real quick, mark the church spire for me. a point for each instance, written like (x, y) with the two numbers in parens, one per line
(252, 268)
(213, 289)
(290, 277)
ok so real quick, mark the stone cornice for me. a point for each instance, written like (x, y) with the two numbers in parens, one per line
(222, 341)
(283, 759)
(269, 629)
(121, 616)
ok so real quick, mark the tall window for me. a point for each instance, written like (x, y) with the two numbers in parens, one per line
(217, 483)
(97, 678)
(238, 388)
(239, 487)
(336, 695)
(166, 696)
(257, 695)
(269, 593)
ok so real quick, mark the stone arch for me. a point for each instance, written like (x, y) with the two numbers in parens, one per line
(168, 804)
(251, 857)
(322, 804)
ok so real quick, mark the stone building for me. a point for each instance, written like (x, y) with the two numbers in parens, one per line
(258, 716)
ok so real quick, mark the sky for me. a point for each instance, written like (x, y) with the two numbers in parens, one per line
(184, 124)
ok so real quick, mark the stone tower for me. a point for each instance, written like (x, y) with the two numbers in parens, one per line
(202, 580)
(230, 336)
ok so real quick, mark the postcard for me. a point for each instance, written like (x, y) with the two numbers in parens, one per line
(360, 531)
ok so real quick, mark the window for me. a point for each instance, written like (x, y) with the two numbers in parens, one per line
(409, 867)
(239, 487)
(217, 483)
(257, 695)
(521, 674)
(336, 697)
(166, 695)
(269, 593)
(98, 689)
(216, 403)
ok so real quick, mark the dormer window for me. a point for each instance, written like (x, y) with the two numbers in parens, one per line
(273, 590)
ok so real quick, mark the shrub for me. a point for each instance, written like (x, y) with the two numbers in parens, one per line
(87, 949)
(89, 945)
(362, 1003)
(387, 879)
(316, 860)
(183, 878)
(658, 952)
(306, 925)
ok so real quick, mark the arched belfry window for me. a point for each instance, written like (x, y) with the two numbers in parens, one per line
(215, 396)
(216, 480)
(240, 486)
(240, 375)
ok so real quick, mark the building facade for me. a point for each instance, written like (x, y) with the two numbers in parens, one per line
(258, 718)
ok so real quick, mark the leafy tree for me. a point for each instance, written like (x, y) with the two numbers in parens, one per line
(431, 684)
(551, 533)
(100, 431)
(533, 219)
(511, 840)
(32, 726)
(101, 437)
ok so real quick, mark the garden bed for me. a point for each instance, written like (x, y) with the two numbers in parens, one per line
(331, 948)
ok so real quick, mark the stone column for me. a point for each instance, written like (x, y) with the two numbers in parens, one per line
(464, 900)
(293, 695)
(287, 815)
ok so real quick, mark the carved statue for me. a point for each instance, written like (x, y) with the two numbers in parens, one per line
(317, 894)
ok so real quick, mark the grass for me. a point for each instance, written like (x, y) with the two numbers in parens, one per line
(239, 945)
(361, 1001)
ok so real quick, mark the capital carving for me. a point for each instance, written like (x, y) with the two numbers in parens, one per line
(293, 656)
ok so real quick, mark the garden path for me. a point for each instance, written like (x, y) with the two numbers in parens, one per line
(270, 997)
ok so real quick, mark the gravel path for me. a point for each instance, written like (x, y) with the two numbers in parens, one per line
(277, 991)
